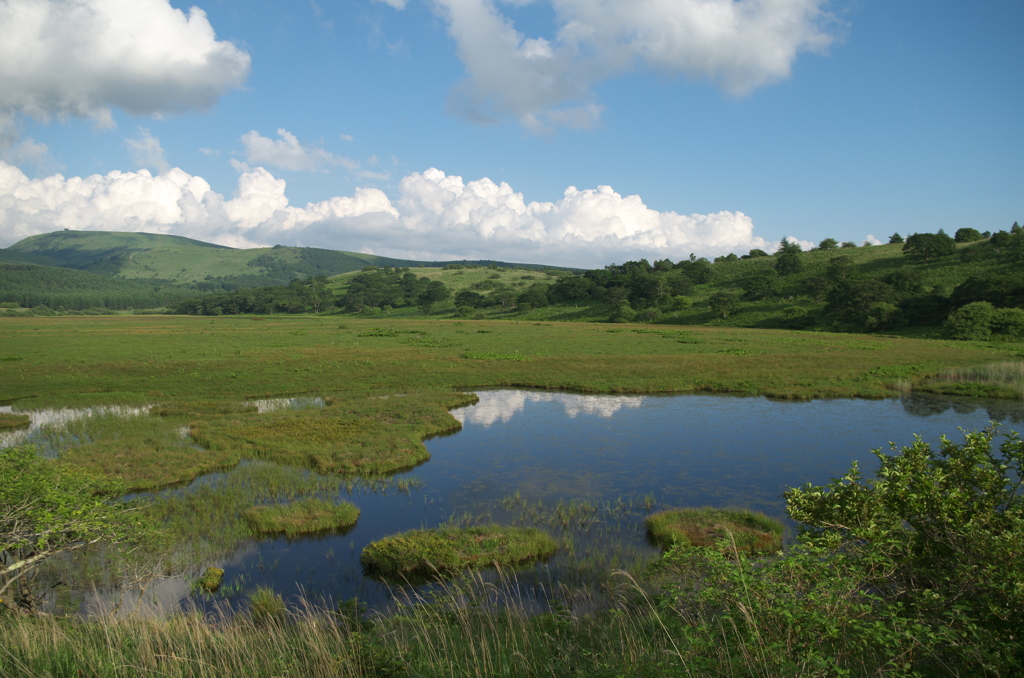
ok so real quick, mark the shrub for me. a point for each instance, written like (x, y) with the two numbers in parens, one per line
(973, 321)
(649, 315)
(1008, 321)
(936, 543)
(724, 304)
(797, 318)
(883, 316)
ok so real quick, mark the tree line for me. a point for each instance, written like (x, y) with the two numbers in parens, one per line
(31, 286)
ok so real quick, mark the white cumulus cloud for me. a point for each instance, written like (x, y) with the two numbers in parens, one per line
(434, 216)
(146, 151)
(288, 153)
(739, 45)
(63, 58)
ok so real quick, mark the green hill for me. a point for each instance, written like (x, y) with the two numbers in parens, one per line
(182, 261)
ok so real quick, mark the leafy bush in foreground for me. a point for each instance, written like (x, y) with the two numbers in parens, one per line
(936, 544)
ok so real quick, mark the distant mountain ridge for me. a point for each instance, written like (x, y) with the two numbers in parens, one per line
(176, 260)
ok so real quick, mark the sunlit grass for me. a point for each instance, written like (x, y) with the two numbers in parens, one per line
(452, 549)
(302, 516)
(726, 529)
(1004, 379)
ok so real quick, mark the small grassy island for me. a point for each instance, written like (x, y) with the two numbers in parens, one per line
(451, 550)
(302, 516)
(750, 531)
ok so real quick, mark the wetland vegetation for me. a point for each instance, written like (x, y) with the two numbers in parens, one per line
(728, 529)
(232, 415)
(450, 550)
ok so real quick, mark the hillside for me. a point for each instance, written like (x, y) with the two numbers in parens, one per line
(894, 288)
(49, 288)
(183, 261)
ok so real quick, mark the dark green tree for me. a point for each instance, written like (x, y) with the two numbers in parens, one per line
(895, 239)
(828, 244)
(926, 246)
(967, 235)
(724, 304)
(469, 299)
(764, 285)
(789, 263)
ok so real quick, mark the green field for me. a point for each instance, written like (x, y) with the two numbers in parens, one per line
(164, 358)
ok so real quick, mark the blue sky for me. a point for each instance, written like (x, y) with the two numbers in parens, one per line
(576, 132)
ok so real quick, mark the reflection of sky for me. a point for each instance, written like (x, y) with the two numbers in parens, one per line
(160, 597)
(59, 418)
(273, 404)
(495, 406)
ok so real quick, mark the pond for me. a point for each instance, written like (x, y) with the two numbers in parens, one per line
(589, 468)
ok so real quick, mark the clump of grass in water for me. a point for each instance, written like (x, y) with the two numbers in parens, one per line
(752, 532)
(304, 515)
(266, 607)
(453, 549)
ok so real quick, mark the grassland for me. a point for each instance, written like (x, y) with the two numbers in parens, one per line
(157, 359)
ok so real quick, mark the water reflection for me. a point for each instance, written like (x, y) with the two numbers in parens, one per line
(617, 454)
(495, 406)
(58, 419)
(928, 405)
(275, 404)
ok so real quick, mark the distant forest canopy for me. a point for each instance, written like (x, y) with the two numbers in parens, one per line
(65, 289)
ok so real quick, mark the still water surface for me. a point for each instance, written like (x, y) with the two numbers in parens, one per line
(611, 451)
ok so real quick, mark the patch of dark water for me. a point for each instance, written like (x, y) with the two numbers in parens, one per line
(521, 455)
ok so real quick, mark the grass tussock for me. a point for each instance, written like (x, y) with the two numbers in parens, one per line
(726, 529)
(302, 516)
(453, 549)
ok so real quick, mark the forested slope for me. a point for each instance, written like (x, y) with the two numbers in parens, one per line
(65, 289)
